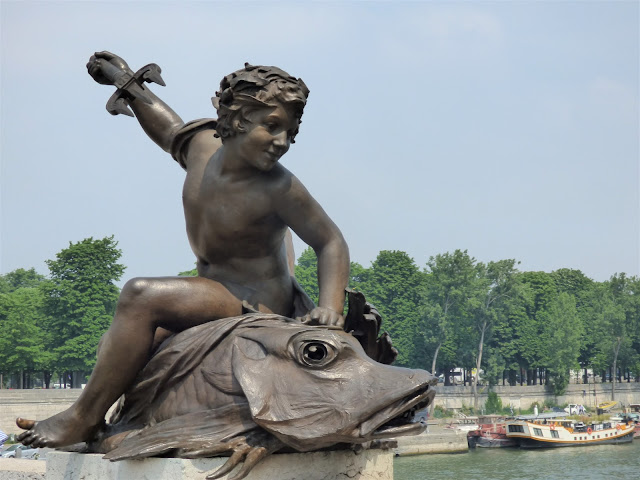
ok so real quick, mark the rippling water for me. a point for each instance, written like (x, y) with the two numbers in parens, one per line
(571, 463)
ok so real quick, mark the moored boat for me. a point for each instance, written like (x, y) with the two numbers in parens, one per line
(490, 435)
(633, 419)
(606, 406)
(567, 433)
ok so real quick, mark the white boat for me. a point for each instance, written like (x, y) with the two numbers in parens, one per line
(545, 432)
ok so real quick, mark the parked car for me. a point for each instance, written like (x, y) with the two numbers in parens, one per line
(25, 452)
(574, 409)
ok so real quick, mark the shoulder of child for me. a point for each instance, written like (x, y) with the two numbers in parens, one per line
(284, 182)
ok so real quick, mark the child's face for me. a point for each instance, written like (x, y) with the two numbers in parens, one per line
(268, 136)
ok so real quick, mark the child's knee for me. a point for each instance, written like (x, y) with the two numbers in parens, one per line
(134, 292)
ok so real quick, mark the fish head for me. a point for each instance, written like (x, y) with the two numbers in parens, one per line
(313, 387)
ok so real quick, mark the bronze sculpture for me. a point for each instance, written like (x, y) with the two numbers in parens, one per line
(239, 204)
(256, 384)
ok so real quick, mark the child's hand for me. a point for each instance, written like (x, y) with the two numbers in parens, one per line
(103, 73)
(324, 316)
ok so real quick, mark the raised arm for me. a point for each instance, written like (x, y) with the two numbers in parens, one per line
(157, 119)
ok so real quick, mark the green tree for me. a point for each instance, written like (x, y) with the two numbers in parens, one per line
(622, 321)
(80, 300)
(632, 311)
(189, 273)
(23, 341)
(600, 308)
(579, 286)
(493, 403)
(564, 332)
(393, 285)
(357, 276)
(20, 278)
(504, 346)
(449, 285)
(530, 330)
(496, 282)
(306, 271)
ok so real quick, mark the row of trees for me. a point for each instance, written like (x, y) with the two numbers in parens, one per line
(531, 327)
(53, 325)
(455, 312)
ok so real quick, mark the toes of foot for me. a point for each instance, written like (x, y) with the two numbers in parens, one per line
(25, 424)
(40, 443)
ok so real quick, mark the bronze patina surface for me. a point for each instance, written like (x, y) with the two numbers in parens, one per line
(252, 385)
(240, 204)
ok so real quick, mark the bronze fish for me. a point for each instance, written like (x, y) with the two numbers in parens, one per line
(252, 385)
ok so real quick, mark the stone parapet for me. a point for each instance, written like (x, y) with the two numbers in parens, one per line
(334, 465)
(436, 441)
(38, 395)
(522, 397)
(36, 404)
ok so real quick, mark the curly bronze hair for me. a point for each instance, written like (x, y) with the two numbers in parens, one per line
(255, 87)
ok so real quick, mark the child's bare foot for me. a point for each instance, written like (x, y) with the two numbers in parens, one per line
(62, 429)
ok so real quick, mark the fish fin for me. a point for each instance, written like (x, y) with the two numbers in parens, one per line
(252, 458)
(245, 454)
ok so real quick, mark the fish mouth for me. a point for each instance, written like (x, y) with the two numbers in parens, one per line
(397, 419)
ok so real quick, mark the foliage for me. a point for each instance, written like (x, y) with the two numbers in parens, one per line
(306, 271)
(456, 313)
(495, 285)
(446, 313)
(467, 409)
(460, 312)
(563, 332)
(393, 284)
(80, 300)
(440, 412)
(493, 404)
(189, 273)
(22, 338)
(20, 278)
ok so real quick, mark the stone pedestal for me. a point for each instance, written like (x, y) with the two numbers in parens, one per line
(338, 465)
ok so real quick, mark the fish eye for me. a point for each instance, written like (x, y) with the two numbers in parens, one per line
(315, 353)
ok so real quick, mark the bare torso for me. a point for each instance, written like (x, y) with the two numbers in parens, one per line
(236, 234)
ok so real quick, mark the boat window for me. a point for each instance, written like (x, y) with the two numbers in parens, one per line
(538, 432)
(554, 434)
(516, 428)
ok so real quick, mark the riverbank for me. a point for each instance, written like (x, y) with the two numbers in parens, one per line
(455, 398)
(437, 439)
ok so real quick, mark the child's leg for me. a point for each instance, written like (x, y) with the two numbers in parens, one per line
(144, 304)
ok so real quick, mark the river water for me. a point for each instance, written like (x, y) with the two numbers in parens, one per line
(570, 463)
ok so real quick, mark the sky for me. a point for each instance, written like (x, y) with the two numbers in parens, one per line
(507, 129)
